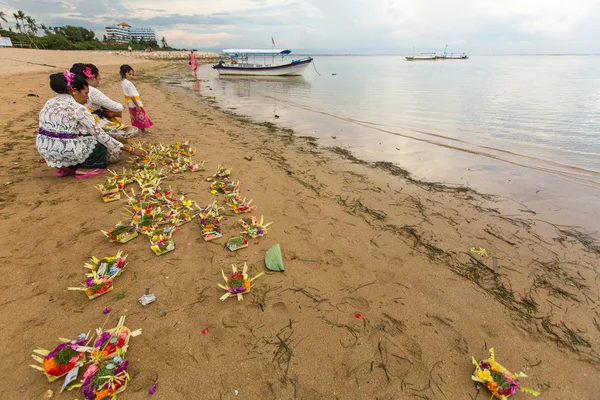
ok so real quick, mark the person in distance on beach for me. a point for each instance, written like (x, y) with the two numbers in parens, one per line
(69, 138)
(139, 118)
(193, 62)
(98, 102)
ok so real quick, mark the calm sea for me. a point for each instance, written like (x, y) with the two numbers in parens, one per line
(524, 127)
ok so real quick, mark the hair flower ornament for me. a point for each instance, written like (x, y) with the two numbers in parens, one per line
(88, 72)
(69, 79)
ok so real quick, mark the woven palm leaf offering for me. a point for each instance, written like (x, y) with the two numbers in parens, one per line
(111, 266)
(107, 198)
(161, 234)
(124, 178)
(183, 148)
(211, 209)
(182, 204)
(192, 166)
(238, 283)
(211, 227)
(254, 227)
(498, 380)
(164, 195)
(144, 221)
(124, 133)
(236, 243)
(222, 173)
(95, 286)
(108, 187)
(111, 342)
(60, 361)
(121, 233)
(162, 217)
(163, 246)
(224, 187)
(241, 206)
(180, 217)
(105, 379)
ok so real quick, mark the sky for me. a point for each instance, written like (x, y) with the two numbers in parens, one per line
(341, 26)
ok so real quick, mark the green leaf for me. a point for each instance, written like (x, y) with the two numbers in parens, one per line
(273, 259)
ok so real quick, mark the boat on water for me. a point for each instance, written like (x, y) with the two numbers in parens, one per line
(435, 57)
(423, 57)
(266, 62)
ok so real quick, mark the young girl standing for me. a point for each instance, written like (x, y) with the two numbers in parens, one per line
(139, 118)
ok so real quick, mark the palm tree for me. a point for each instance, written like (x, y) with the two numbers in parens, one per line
(20, 16)
(31, 26)
(2, 17)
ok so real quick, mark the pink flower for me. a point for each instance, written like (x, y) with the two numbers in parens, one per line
(205, 331)
(106, 310)
(152, 389)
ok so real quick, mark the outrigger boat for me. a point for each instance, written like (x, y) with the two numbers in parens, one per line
(261, 62)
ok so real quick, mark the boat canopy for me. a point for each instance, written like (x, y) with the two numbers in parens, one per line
(257, 51)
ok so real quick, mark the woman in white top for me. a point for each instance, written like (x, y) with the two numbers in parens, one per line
(69, 138)
(139, 118)
(97, 102)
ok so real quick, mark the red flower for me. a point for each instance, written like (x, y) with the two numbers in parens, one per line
(358, 315)
(205, 331)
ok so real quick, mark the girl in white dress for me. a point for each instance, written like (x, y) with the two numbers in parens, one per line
(139, 118)
(69, 138)
(98, 102)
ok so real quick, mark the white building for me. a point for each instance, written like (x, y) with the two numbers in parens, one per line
(125, 33)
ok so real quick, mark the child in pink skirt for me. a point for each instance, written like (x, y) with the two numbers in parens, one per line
(139, 118)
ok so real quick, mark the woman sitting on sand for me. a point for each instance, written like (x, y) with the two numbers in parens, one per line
(69, 139)
(98, 102)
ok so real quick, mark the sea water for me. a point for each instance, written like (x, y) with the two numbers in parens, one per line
(524, 127)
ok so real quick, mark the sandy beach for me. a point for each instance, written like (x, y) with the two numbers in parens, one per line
(380, 298)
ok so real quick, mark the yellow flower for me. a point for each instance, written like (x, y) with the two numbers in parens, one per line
(485, 375)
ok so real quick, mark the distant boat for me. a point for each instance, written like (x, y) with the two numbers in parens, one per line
(261, 62)
(434, 56)
(423, 57)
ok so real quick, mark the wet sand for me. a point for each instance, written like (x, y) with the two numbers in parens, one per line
(358, 238)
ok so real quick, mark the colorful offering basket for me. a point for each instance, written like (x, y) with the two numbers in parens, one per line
(222, 173)
(111, 266)
(95, 286)
(236, 243)
(107, 198)
(105, 379)
(58, 362)
(254, 227)
(108, 188)
(211, 227)
(121, 233)
(181, 217)
(163, 246)
(241, 206)
(224, 187)
(499, 381)
(210, 210)
(112, 342)
(237, 283)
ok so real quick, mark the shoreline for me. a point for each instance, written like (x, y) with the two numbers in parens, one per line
(354, 242)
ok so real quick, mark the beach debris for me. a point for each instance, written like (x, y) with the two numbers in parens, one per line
(32, 95)
(236, 243)
(70, 377)
(498, 380)
(60, 361)
(238, 283)
(254, 227)
(147, 298)
(479, 250)
(249, 158)
(273, 259)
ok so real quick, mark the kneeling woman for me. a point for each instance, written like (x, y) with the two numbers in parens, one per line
(69, 139)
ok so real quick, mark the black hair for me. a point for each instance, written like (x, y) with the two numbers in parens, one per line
(58, 83)
(125, 69)
(78, 69)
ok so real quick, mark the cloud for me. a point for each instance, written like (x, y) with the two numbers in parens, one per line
(344, 26)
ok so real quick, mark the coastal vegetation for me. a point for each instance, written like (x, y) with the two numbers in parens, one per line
(27, 32)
